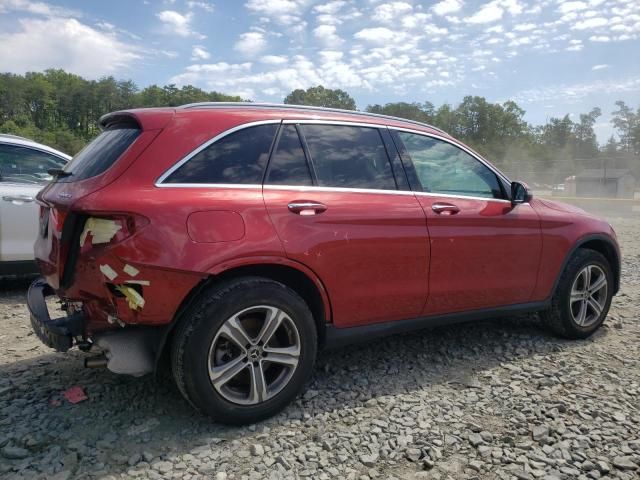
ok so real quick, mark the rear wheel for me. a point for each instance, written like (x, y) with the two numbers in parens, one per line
(245, 350)
(583, 297)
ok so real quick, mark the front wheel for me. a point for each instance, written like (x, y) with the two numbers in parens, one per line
(245, 350)
(583, 296)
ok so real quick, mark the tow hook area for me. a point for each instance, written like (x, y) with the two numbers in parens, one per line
(57, 333)
(130, 351)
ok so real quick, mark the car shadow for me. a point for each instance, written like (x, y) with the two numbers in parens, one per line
(125, 416)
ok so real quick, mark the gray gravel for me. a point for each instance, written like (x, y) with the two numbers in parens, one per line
(497, 399)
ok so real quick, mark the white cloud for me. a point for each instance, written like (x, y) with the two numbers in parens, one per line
(376, 35)
(567, 7)
(590, 23)
(284, 12)
(251, 43)
(602, 66)
(274, 60)
(388, 12)
(64, 43)
(524, 27)
(600, 38)
(206, 6)
(577, 91)
(178, 24)
(489, 12)
(36, 8)
(445, 7)
(199, 53)
(329, 8)
(327, 35)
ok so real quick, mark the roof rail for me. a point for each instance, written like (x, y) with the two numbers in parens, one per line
(16, 137)
(304, 107)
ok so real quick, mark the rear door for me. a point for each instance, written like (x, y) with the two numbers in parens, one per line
(485, 252)
(332, 194)
(23, 172)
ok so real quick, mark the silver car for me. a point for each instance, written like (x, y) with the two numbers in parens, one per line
(24, 166)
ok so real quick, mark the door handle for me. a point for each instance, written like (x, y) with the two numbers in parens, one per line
(18, 199)
(445, 208)
(306, 208)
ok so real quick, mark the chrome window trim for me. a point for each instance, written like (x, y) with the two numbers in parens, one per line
(317, 188)
(189, 156)
(463, 148)
(210, 185)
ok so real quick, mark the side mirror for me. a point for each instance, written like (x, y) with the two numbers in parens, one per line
(520, 193)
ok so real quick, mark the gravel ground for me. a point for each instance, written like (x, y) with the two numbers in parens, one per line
(497, 399)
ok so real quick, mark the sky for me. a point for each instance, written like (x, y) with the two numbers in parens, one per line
(553, 57)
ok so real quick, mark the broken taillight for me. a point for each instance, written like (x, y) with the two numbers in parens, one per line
(111, 229)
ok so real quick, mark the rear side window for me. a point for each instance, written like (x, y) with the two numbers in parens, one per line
(288, 164)
(100, 154)
(26, 165)
(349, 157)
(239, 158)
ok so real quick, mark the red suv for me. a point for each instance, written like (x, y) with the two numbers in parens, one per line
(234, 240)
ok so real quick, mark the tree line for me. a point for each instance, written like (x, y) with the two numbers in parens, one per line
(62, 110)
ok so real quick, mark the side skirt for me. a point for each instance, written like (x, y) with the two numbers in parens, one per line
(339, 337)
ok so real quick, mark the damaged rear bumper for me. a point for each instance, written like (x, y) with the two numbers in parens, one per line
(56, 333)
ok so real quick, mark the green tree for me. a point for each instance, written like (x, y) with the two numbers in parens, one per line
(321, 97)
(627, 123)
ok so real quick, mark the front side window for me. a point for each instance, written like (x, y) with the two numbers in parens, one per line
(288, 164)
(444, 168)
(348, 157)
(238, 158)
(26, 165)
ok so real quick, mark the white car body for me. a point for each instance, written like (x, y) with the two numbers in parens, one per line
(23, 173)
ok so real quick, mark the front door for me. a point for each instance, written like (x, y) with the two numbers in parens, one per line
(484, 251)
(339, 213)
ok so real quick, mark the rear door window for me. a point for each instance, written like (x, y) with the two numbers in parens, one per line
(237, 158)
(26, 165)
(348, 156)
(100, 154)
(288, 165)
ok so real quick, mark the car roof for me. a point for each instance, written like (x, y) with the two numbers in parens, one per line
(315, 112)
(25, 142)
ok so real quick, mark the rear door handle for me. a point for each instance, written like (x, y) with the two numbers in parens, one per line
(18, 199)
(304, 207)
(445, 208)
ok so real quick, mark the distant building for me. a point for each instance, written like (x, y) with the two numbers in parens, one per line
(607, 182)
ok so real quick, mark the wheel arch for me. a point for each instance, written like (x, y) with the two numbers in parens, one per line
(296, 276)
(602, 244)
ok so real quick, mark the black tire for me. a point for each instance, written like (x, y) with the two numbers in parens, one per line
(559, 318)
(197, 330)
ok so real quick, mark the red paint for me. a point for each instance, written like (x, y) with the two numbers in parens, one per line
(374, 256)
(215, 226)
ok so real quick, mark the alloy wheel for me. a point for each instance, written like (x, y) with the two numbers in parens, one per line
(254, 355)
(588, 295)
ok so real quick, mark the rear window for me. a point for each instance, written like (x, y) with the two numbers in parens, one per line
(100, 154)
(238, 158)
